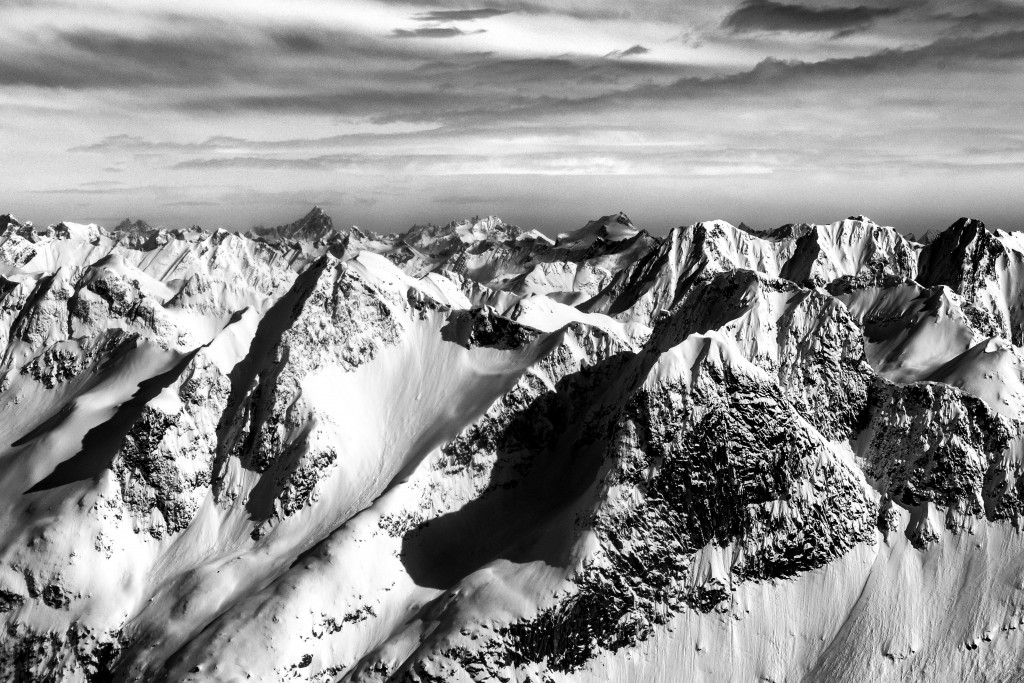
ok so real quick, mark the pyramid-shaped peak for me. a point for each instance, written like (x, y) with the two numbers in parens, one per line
(968, 224)
(962, 231)
(315, 225)
(612, 228)
(957, 257)
(316, 217)
(128, 225)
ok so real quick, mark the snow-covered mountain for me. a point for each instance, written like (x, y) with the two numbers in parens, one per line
(473, 453)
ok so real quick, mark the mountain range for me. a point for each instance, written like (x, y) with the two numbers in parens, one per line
(473, 452)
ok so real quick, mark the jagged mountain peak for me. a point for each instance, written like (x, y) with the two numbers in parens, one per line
(468, 230)
(463, 452)
(963, 230)
(136, 234)
(783, 232)
(316, 220)
(959, 234)
(615, 227)
(67, 230)
(967, 223)
(715, 224)
(952, 248)
(129, 226)
(623, 219)
(487, 228)
(315, 225)
(926, 237)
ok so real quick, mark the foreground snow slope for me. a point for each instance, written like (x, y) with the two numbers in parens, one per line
(473, 453)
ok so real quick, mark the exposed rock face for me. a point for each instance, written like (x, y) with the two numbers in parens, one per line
(471, 452)
(314, 226)
(983, 267)
(932, 445)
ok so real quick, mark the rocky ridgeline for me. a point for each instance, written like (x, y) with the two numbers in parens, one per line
(212, 416)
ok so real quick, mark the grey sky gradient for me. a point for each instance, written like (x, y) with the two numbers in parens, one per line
(389, 113)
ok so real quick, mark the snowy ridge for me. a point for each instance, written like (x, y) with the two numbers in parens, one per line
(473, 453)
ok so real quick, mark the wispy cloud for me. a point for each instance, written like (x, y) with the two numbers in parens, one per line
(190, 53)
(766, 15)
(139, 144)
(431, 32)
(461, 14)
(770, 73)
(982, 15)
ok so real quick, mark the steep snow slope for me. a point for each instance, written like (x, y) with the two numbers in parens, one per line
(469, 452)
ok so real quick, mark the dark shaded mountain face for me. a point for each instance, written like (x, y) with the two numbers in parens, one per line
(472, 453)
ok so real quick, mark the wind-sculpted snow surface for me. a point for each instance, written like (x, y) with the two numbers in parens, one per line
(475, 453)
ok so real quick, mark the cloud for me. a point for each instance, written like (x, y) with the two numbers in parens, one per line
(275, 99)
(586, 11)
(461, 14)
(983, 15)
(323, 161)
(102, 188)
(223, 69)
(491, 93)
(629, 52)
(140, 145)
(431, 32)
(461, 90)
(766, 15)
(97, 59)
(560, 162)
(301, 42)
(192, 53)
(961, 53)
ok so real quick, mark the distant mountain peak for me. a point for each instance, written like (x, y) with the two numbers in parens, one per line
(613, 228)
(127, 225)
(314, 226)
(316, 218)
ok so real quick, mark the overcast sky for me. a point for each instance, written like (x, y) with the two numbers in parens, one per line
(544, 113)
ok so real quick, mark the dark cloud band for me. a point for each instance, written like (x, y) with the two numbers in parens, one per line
(766, 15)
(430, 32)
(461, 14)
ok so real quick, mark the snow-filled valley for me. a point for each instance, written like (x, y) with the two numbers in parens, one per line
(474, 453)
